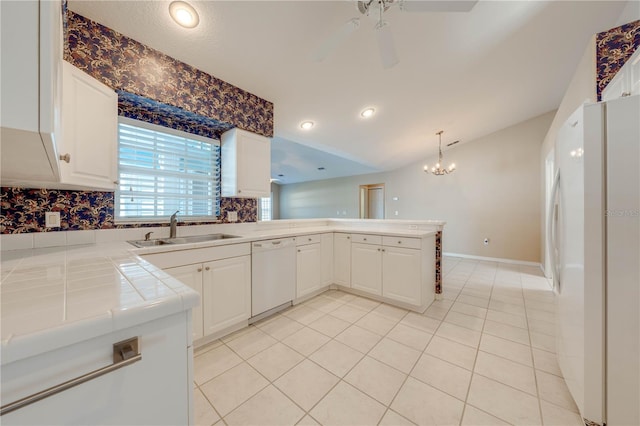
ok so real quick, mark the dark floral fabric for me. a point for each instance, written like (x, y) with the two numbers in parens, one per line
(145, 109)
(22, 210)
(613, 48)
(129, 66)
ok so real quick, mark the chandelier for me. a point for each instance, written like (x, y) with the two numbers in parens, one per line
(438, 169)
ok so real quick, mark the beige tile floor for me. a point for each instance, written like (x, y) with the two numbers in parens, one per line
(482, 355)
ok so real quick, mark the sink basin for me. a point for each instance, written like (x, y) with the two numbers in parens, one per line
(199, 238)
(181, 240)
(148, 243)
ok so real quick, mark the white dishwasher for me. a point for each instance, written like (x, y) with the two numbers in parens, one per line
(273, 276)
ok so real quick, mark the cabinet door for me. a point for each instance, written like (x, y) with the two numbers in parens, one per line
(152, 391)
(191, 275)
(89, 131)
(246, 164)
(366, 268)
(226, 293)
(254, 165)
(342, 259)
(326, 256)
(308, 271)
(401, 277)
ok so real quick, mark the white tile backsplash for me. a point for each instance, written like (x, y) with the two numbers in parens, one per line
(80, 237)
(112, 235)
(49, 239)
(16, 241)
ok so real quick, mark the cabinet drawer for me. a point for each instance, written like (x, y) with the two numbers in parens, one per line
(366, 239)
(406, 242)
(303, 240)
(171, 259)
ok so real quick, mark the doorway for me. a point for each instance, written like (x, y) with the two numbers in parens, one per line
(372, 201)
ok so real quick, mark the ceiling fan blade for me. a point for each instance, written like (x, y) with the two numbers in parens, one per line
(337, 38)
(437, 6)
(386, 45)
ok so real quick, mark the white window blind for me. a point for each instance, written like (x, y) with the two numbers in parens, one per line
(162, 170)
(265, 208)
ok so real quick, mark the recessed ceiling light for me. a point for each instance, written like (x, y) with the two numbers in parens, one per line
(368, 112)
(184, 14)
(306, 125)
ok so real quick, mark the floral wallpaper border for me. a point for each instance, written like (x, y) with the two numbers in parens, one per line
(150, 111)
(613, 48)
(127, 65)
(23, 210)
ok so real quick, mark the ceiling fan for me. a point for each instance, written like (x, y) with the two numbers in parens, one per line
(375, 10)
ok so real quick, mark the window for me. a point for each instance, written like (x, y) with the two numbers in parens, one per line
(265, 208)
(162, 170)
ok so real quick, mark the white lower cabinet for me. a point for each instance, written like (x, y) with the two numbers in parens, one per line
(400, 269)
(308, 269)
(156, 390)
(366, 268)
(326, 257)
(226, 293)
(191, 275)
(342, 259)
(222, 277)
(401, 274)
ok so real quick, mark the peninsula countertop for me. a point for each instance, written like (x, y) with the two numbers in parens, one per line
(56, 296)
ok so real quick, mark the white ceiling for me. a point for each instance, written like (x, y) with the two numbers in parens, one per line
(469, 74)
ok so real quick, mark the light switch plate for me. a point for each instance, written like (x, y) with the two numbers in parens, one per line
(232, 216)
(52, 219)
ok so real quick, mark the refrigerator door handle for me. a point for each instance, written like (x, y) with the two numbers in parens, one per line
(552, 224)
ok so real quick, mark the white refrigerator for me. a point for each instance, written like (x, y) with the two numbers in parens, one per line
(594, 236)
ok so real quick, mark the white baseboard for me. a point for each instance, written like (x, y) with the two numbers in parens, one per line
(495, 259)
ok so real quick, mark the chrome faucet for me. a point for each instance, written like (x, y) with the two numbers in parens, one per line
(172, 224)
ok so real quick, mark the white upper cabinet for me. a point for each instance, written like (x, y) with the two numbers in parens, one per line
(626, 82)
(89, 146)
(30, 77)
(246, 164)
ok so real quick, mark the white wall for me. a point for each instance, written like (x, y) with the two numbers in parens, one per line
(630, 13)
(275, 202)
(494, 194)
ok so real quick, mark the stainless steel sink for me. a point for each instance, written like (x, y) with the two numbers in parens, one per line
(199, 238)
(181, 240)
(148, 243)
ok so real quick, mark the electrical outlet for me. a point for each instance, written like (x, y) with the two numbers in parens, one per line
(486, 242)
(232, 216)
(52, 219)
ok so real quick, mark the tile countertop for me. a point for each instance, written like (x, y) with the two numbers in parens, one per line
(53, 297)
(264, 234)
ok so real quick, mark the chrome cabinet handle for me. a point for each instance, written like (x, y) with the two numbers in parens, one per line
(66, 157)
(124, 353)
